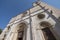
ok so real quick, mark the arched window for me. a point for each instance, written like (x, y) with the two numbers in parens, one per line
(21, 31)
(48, 35)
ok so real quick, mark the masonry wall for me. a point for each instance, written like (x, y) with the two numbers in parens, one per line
(36, 28)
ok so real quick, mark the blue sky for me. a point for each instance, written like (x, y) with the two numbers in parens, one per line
(11, 8)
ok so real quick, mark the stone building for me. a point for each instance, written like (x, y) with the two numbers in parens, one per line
(41, 22)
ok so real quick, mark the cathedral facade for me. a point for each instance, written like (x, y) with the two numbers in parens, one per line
(41, 22)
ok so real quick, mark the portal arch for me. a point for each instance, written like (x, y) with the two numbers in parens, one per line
(22, 30)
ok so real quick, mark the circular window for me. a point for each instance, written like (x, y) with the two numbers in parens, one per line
(40, 16)
(45, 24)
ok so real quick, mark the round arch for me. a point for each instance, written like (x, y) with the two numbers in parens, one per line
(22, 30)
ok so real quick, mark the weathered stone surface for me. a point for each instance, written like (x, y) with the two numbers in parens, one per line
(33, 30)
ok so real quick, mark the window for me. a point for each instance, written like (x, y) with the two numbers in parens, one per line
(20, 35)
(21, 31)
(8, 27)
(48, 34)
(51, 11)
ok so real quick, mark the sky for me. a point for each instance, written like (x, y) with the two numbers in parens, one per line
(11, 8)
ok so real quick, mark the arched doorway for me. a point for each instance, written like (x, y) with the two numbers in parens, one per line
(21, 29)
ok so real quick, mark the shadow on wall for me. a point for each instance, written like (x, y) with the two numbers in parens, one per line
(57, 28)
